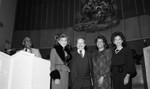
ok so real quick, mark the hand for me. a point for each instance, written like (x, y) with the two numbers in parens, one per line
(100, 81)
(126, 79)
(65, 53)
(57, 81)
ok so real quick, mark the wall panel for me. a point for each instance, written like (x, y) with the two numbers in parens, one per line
(52, 14)
(132, 28)
(47, 38)
(107, 34)
(50, 17)
(18, 37)
(35, 36)
(44, 15)
(120, 27)
(77, 35)
(145, 25)
(131, 25)
(90, 37)
(69, 32)
(55, 13)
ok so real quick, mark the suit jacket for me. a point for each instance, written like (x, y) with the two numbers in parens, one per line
(77, 74)
(34, 51)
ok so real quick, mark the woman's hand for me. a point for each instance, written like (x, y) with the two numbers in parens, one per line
(126, 79)
(100, 81)
(66, 53)
(57, 81)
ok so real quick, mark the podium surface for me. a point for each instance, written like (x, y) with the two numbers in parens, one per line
(24, 71)
(4, 70)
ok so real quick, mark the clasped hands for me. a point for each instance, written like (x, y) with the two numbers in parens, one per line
(101, 80)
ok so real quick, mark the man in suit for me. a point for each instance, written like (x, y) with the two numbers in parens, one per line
(29, 48)
(81, 67)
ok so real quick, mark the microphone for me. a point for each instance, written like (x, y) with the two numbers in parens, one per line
(28, 48)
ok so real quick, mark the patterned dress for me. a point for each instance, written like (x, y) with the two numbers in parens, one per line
(101, 67)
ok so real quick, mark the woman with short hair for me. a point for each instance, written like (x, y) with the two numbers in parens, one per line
(60, 57)
(102, 64)
(123, 68)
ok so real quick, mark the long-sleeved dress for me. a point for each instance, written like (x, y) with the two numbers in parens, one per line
(122, 64)
(101, 67)
(59, 62)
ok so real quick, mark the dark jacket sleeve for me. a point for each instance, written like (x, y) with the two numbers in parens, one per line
(73, 68)
(91, 67)
(130, 64)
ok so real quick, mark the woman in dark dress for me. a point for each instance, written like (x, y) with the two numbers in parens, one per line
(101, 64)
(123, 68)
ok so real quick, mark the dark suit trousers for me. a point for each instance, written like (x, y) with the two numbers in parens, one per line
(81, 85)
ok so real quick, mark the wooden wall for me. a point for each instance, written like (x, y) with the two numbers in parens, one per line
(43, 19)
(134, 28)
(53, 14)
(7, 20)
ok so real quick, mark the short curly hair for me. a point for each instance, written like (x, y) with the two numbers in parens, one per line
(124, 44)
(104, 40)
(59, 36)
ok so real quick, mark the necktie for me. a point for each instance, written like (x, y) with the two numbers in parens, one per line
(81, 53)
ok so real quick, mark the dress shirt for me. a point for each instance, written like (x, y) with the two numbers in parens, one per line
(83, 52)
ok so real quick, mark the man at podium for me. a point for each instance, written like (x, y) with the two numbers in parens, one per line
(28, 47)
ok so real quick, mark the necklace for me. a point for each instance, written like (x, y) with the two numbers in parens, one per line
(118, 50)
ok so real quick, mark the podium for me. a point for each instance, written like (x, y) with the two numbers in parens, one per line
(24, 70)
(138, 81)
(146, 52)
